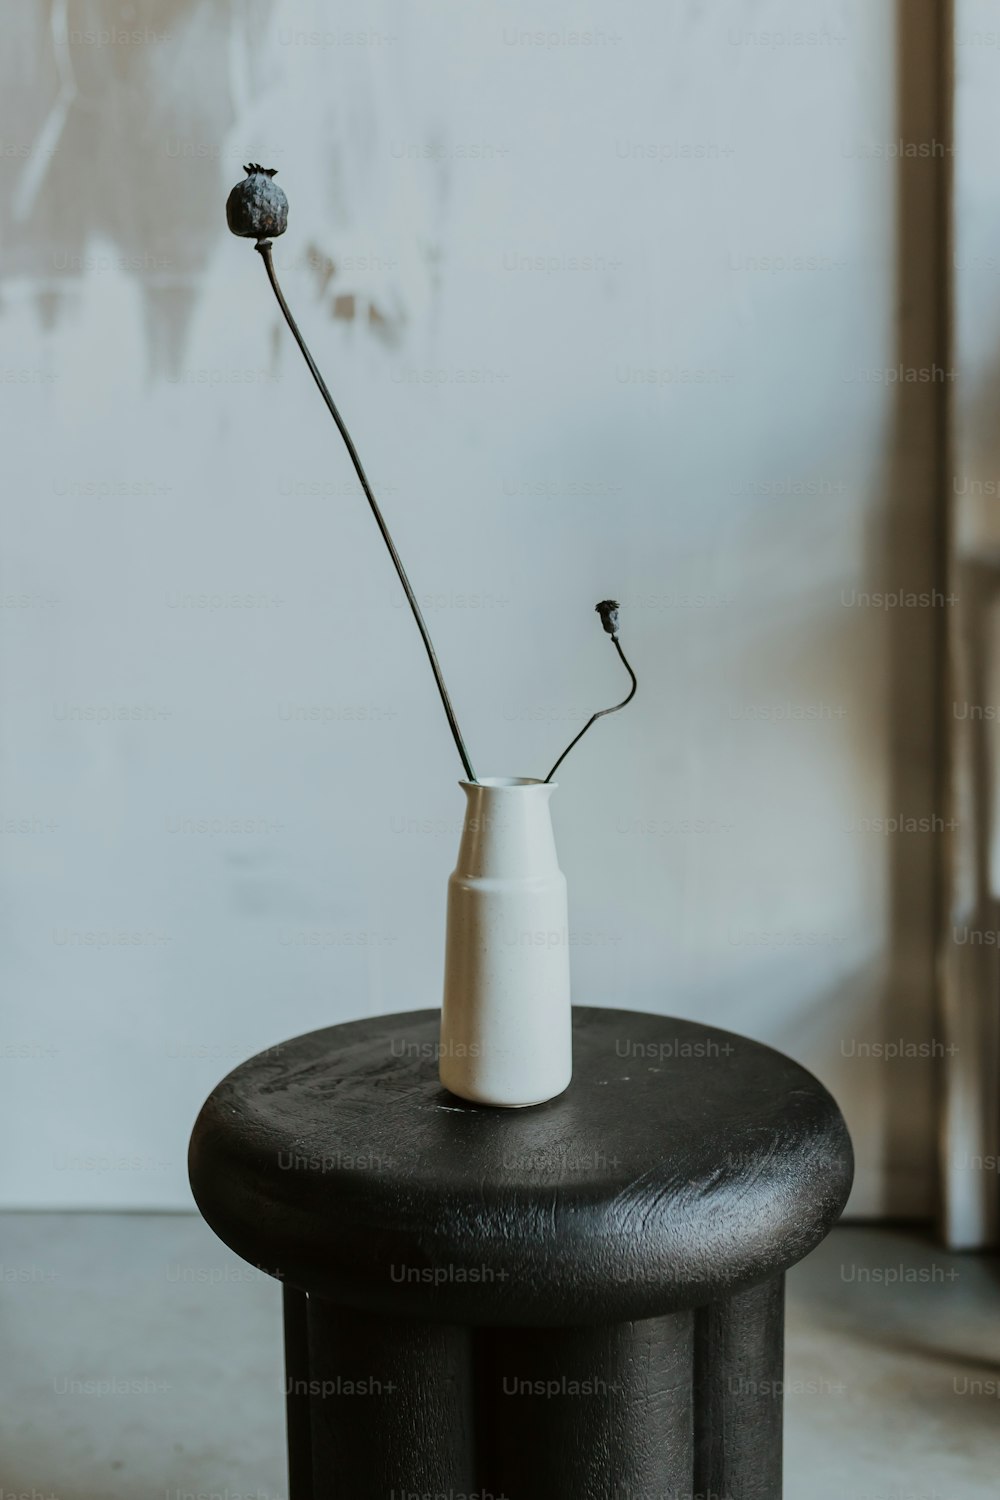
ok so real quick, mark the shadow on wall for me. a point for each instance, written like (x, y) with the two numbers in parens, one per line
(151, 208)
(905, 556)
(971, 915)
(909, 556)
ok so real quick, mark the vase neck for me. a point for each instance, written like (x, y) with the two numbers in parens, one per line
(507, 832)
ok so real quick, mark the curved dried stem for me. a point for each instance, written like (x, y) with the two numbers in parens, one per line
(601, 712)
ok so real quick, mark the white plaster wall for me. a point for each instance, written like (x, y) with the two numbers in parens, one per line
(624, 291)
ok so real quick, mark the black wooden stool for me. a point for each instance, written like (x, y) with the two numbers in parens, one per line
(583, 1299)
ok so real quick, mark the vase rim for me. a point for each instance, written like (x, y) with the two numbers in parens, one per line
(508, 783)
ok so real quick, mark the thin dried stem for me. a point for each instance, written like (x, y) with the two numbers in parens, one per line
(263, 247)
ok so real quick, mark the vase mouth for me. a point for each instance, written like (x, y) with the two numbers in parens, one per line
(508, 783)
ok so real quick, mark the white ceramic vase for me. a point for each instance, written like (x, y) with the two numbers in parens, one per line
(506, 1030)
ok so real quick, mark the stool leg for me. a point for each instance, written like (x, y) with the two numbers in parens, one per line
(390, 1406)
(586, 1413)
(299, 1437)
(739, 1368)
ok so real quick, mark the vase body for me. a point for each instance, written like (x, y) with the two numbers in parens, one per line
(506, 1035)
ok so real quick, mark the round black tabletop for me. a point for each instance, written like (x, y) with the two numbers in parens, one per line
(682, 1163)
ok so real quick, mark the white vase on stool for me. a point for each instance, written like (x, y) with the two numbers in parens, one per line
(506, 1022)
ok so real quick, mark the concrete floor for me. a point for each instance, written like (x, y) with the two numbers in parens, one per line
(141, 1359)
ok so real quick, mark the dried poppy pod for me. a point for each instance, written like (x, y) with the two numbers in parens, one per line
(608, 611)
(257, 209)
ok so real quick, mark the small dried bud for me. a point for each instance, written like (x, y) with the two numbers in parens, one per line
(257, 209)
(608, 611)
